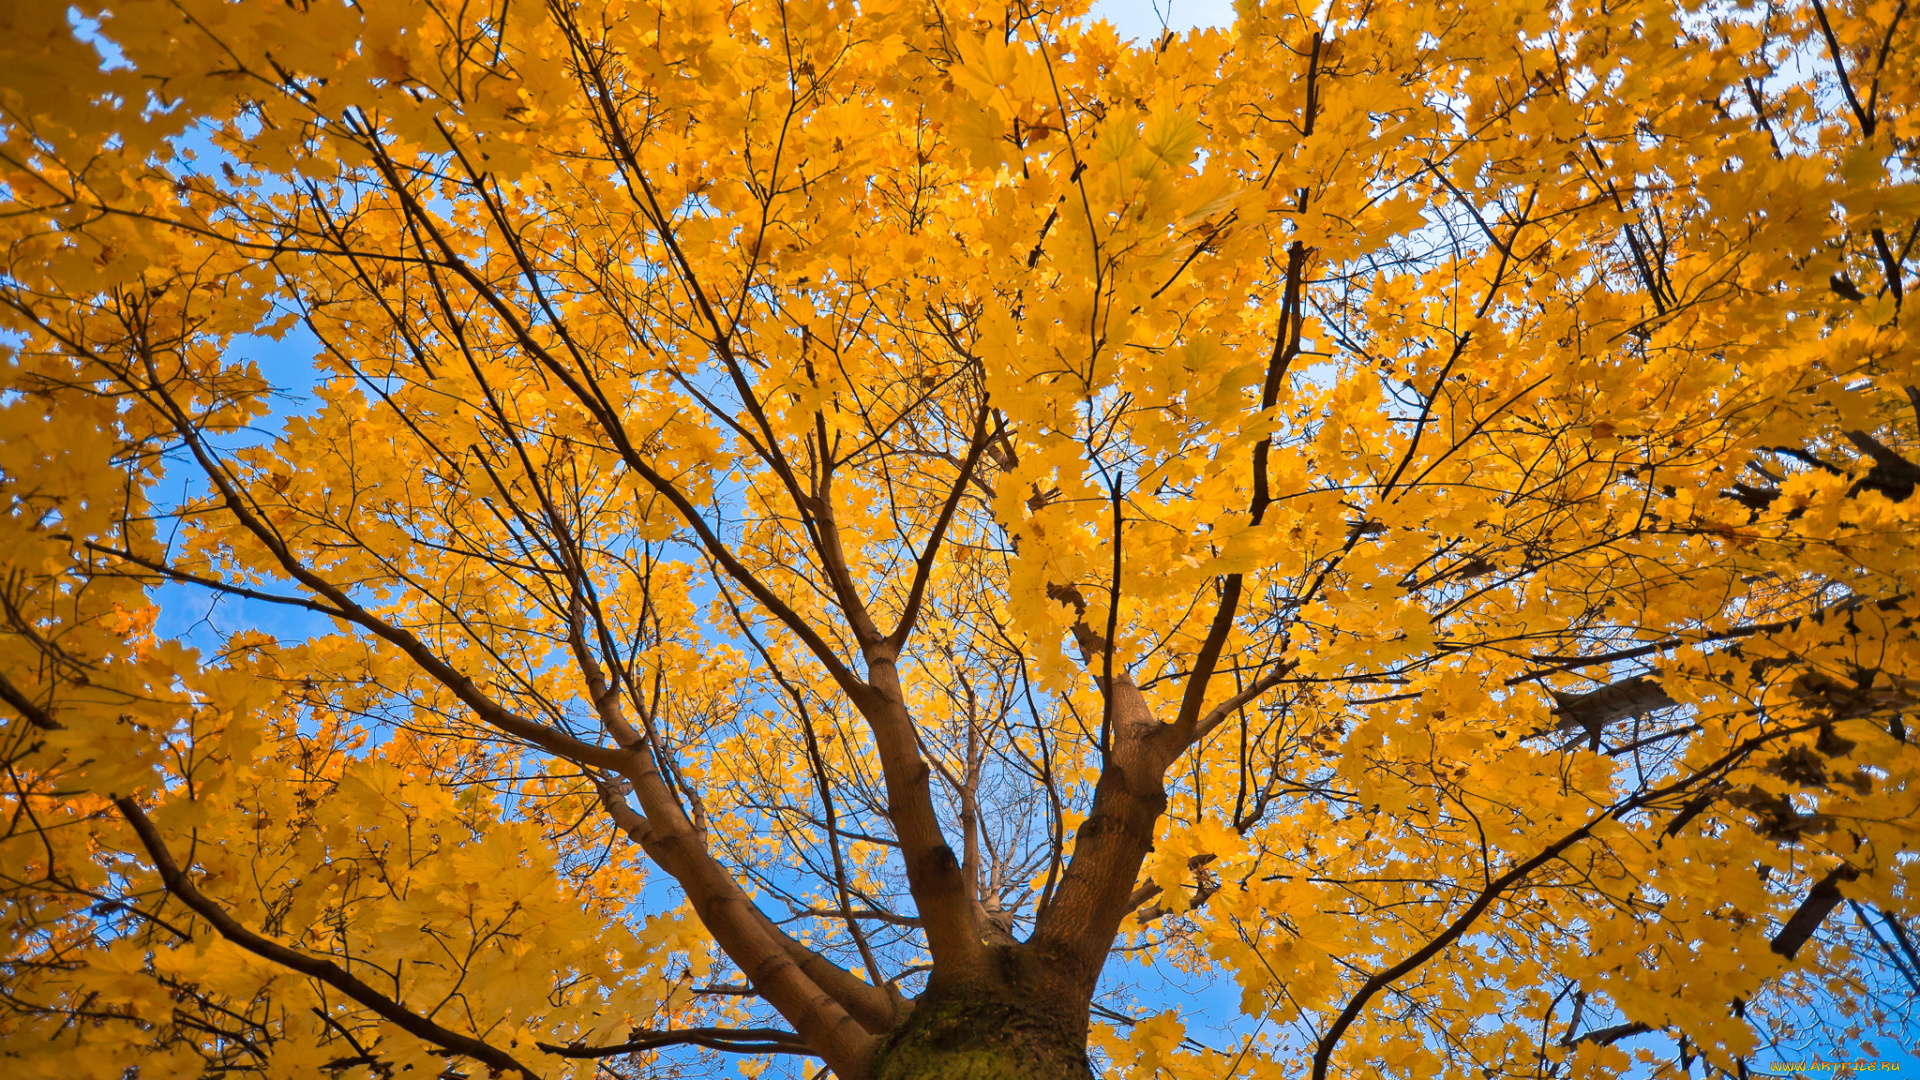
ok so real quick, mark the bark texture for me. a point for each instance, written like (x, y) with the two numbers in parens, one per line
(996, 1032)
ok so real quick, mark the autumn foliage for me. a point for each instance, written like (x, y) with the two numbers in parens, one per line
(825, 530)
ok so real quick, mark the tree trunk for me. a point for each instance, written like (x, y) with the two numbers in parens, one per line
(1002, 1031)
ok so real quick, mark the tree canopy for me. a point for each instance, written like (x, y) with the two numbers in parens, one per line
(820, 530)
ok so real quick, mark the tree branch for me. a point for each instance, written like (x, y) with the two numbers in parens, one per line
(180, 885)
(923, 566)
(1819, 903)
(728, 1040)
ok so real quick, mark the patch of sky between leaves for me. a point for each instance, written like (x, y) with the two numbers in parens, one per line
(189, 614)
(1146, 19)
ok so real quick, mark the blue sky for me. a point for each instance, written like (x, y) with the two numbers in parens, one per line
(1143, 18)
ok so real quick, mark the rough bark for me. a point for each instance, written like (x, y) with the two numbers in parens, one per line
(1008, 1026)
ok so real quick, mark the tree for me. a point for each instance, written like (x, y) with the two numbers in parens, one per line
(818, 523)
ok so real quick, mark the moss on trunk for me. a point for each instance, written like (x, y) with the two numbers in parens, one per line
(984, 1035)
